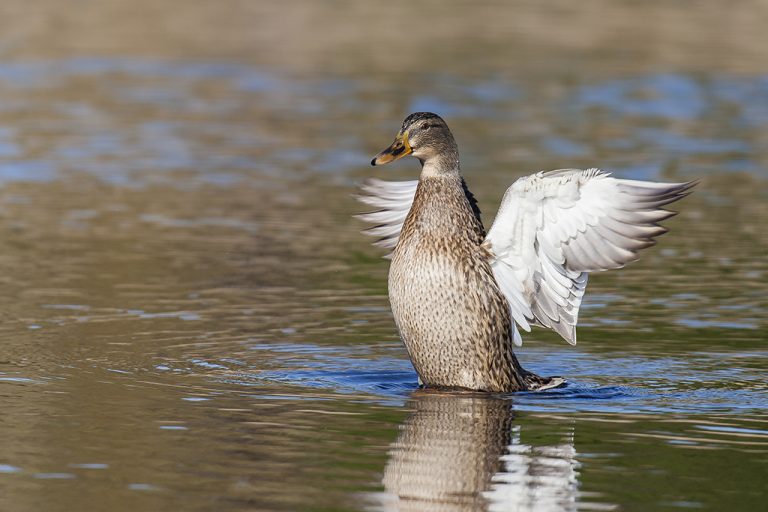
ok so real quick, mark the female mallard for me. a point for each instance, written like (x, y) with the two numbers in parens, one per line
(455, 291)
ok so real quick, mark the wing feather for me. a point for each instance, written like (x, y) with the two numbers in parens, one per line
(394, 200)
(553, 228)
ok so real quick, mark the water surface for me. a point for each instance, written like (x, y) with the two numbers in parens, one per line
(192, 321)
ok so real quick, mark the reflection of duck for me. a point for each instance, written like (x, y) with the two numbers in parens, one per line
(536, 478)
(455, 291)
(463, 452)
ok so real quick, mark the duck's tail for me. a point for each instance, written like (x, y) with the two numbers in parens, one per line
(535, 383)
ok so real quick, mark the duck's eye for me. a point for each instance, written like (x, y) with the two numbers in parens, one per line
(424, 126)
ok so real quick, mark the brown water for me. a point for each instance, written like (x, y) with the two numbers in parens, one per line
(191, 320)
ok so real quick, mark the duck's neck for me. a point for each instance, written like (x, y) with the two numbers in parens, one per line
(443, 207)
(443, 163)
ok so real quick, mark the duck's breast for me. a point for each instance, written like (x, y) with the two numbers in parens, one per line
(447, 306)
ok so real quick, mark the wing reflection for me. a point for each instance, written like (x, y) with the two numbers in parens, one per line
(536, 478)
(462, 452)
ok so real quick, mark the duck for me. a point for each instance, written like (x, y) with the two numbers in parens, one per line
(460, 295)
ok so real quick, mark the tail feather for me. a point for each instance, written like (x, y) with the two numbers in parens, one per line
(535, 383)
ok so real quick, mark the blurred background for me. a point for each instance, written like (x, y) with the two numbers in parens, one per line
(192, 321)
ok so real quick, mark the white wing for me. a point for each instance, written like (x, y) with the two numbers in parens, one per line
(553, 228)
(394, 199)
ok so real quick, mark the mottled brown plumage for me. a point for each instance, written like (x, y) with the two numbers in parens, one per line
(450, 313)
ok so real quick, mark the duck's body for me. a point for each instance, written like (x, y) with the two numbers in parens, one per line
(457, 293)
(451, 315)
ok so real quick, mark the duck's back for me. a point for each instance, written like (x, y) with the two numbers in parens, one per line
(451, 315)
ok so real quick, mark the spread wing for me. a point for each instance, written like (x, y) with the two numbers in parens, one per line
(393, 200)
(553, 228)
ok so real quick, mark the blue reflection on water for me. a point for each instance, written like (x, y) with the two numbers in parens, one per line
(27, 170)
(563, 147)
(687, 384)
(667, 96)
(674, 142)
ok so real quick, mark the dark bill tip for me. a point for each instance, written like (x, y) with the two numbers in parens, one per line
(373, 162)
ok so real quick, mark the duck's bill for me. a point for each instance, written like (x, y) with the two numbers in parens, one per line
(398, 149)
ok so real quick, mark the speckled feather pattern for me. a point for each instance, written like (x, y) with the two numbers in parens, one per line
(453, 319)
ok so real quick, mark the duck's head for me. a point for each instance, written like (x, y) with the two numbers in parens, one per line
(425, 136)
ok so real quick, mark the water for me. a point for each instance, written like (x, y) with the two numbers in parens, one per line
(191, 320)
